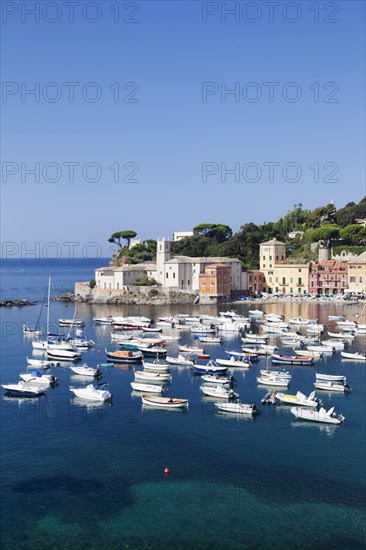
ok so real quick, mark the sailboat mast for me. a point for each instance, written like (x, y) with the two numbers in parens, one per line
(48, 307)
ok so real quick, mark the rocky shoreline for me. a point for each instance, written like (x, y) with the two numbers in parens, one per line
(17, 303)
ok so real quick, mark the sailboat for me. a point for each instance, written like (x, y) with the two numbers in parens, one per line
(56, 349)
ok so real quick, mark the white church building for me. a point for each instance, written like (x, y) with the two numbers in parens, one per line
(176, 272)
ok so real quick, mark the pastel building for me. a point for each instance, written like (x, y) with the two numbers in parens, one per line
(255, 281)
(215, 281)
(329, 277)
(357, 275)
(279, 276)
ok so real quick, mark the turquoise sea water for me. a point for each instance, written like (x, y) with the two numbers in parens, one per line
(92, 476)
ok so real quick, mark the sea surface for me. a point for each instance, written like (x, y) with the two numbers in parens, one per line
(85, 476)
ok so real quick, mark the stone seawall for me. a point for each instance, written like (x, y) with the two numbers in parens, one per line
(138, 295)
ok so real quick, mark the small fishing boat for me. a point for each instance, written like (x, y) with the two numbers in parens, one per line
(278, 373)
(218, 391)
(342, 335)
(39, 379)
(28, 331)
(301, 322)
(242, 355)
(330, 377)
(322, 349)
(328, 385)
(124, 356)
(353, 356)
(152, 376)
(103, 320)
(234, 363)
(63, 354)
(22, 389)
(270, 398)
(255, 351)
(147, 388)
(292, 360)
(299, 399)
(238, 408)
(92, 393)
(272, 381)
(71, 322)
(307, 353)
(180, 360)
(42, 363)
(210, 339)
(164, 402)
(151, 349)
(155, 367)
(216, 379)
(329, 417)
(84, 370)
(191, 349)
(210, 367)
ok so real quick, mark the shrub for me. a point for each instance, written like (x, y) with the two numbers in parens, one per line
(153, 292)
(92, 283)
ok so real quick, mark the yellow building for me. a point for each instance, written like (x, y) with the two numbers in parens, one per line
(280, 276)
(357, 274)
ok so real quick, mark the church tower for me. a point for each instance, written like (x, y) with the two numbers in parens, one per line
(162, 256)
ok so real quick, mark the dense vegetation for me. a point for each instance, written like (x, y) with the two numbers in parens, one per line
(325, 225)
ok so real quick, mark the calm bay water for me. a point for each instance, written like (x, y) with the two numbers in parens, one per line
(88, 476)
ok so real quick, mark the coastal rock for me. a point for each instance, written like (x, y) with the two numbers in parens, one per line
(135, 295)
(16, 303)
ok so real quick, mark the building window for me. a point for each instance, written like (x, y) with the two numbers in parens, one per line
(360, 279)
(167, 275)
(270, 258)
(188, 282)
(263, 258)
(276, 280)
(117, 286)
(300, 270)
(283, 280)
(291, 280)
(276, 258)
(173, 275)
(299, 281)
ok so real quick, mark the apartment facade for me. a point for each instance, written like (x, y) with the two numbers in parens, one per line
(215, 281)
(357, 275)
(328, 278)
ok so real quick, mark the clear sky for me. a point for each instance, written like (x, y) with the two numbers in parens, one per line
(159, 109)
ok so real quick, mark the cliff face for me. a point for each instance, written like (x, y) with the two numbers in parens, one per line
(134, 295)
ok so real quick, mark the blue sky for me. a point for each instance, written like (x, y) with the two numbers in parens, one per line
(170, 131)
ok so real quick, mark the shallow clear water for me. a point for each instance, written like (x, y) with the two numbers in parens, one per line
(92, 476)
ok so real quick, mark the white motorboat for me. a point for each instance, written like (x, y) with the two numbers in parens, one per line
(216, 379)
(180, 360)
(238, 408)
(234, 363)
(329, 417)
(273, 381)
(353, 356)
(164, 402)
(330, 377)
(155, 367)
(147, 388)
(41, 363)
(84, 370)
(203, 329)
(103, 320)
(328, 385)
(342, 335)
(255, 351)
(80, 342)
(307, 353)
(210, 339)
(301, 322)
(321, 349)
(71, 322)
(270, 398)
(218, 391)
(210, 367)
(278, 373)
(39, 379)
(299, 399)
(63, 354)
(336, 317)
(92, 393)
(124, 356)
(152, 376)
(249, 337)
(28, 331)
(23, 389)
(346, 324)
(191, 349)
(334, 344)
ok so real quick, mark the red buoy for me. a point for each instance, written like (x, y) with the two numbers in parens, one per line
(166, 471)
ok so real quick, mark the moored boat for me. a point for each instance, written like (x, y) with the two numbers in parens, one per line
(147, 388)
(273, 381)
(330, 377)
(353, 356)
(92, 393)
(329, 385)
(23, 389)
(164, 402)
(42, 363)
(218, 391)
(152, 376)
(39, 379)
(299, 399)
(234, 363)
(329, 417)
(180, 360)
(238, 408)
(63, 354)
(84, 370)
(292, 360)
(210, 367)
(124, 356)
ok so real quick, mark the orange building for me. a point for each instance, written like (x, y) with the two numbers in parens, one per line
(216, 281)
(255, 281)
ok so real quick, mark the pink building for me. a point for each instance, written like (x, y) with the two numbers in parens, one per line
(329, 277)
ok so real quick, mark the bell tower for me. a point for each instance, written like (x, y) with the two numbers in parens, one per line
(162, 256)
